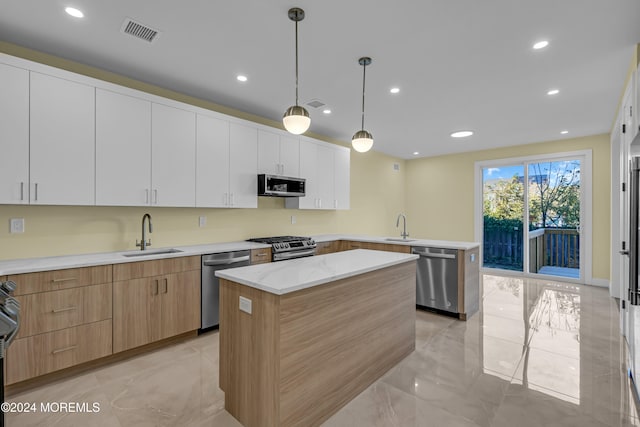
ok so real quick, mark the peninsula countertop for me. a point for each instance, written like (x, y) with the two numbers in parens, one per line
(410, 241)
(288, 276)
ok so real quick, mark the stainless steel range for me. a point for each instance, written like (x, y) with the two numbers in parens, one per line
(288, 247)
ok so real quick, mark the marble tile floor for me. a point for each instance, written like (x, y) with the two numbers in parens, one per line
(538, 353)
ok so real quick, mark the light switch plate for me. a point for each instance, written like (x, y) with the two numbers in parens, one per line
(245, 305)
(16, 225)
(293, 219)
(202, 221)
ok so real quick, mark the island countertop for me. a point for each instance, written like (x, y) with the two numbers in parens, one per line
(288, 276)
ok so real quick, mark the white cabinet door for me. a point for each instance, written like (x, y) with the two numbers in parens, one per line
(268, 153)
(123, 150)
(308, 171)
(173, 156)
(325, 177)
(243, 166)
(289, 156)
(62, 152)
(342, 167)
(14, 135)
(212, 162)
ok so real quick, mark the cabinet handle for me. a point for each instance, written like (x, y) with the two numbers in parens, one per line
(36, 195)
(226, 199)
(155, 292)
(146, 196)
(155, 196)
(22, 191)
(335, 204)
(261, 255)
(60, 310)
(62, 350)
(231, 199)
(166, 285)
(68, 279)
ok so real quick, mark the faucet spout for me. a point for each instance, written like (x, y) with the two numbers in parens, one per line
(144, 243)
(404, 233)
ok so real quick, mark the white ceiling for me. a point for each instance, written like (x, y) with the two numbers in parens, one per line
(460, 64)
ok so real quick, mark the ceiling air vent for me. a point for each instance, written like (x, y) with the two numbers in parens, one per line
(139, 30)
(315, 103)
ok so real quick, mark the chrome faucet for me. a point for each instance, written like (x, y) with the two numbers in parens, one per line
(404, 233)
(143, 244)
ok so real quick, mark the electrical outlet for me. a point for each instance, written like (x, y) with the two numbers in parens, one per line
(16, 225)
(293, 219)
(202, 221)
(245, 305)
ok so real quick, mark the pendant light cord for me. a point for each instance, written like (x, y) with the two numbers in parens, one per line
(296, 63)
(364, 76)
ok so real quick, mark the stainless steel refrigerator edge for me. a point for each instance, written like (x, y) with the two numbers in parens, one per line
(210, 300)
(633, 296)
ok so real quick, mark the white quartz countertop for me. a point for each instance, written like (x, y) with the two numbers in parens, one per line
(410, 241)
(288, 276)
(32, 265)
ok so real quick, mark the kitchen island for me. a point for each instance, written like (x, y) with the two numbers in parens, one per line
(299, 339)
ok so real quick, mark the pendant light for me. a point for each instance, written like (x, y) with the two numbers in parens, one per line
(362, 140)
(296, 119)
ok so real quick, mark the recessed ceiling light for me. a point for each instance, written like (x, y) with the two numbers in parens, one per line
(415, 153)
(553, 92)
(461, 134)
(541, 44)
(74, 12)
(394, 90)
(564, 132)
(326, 111)
(241, 78)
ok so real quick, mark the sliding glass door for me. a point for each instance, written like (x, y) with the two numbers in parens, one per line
(531, 215)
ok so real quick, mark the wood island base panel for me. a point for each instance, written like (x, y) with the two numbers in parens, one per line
(299, 357)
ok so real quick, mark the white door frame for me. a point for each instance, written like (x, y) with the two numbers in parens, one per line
(586, 211)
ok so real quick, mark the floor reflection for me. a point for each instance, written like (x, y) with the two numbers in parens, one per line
(538, 353)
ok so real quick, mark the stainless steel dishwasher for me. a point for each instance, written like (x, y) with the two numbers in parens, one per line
(210, 291)
(437, 278)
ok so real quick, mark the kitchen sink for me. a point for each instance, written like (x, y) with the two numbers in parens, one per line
(399, 239)
(151, 252)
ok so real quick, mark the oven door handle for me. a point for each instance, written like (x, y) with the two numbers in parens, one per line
(225, 261)
(295, 254)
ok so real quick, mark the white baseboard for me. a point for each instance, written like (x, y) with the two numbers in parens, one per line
(601, 283)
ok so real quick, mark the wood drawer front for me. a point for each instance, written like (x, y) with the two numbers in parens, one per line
(348, 245)
(51, 311)
(158, 267)
(40, 354)
(260, 256)
(45, 281)
(328, 247)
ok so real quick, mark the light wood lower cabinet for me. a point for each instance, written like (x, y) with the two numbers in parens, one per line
(149, 309)
(323, 248)
(260, 256)
(44, 353)
(347, 245)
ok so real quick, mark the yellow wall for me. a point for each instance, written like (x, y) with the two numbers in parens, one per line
(440, 192)
(377, 196)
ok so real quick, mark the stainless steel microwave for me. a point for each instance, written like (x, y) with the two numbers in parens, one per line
(280, 186)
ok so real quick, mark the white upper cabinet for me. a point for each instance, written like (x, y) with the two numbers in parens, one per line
(342, 182)
(278, 154)
(173, 156)
(212, 162)
(62, 141)
(14, 135)
(636, 105)
(243, 166)
(123, 150)
(227, 164)
(325, 168)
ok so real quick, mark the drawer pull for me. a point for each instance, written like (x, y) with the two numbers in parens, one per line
(61, 310)
(62, 350)
(68, 279)
(261, 254)
(166, 285)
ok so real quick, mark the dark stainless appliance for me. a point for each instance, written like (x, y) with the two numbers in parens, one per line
(437, 278)
(210, 291)
(288, 247)
(280, 186)
(9, 326)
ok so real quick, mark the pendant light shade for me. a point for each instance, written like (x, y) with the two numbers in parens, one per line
(362, 140)
(296, 119)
